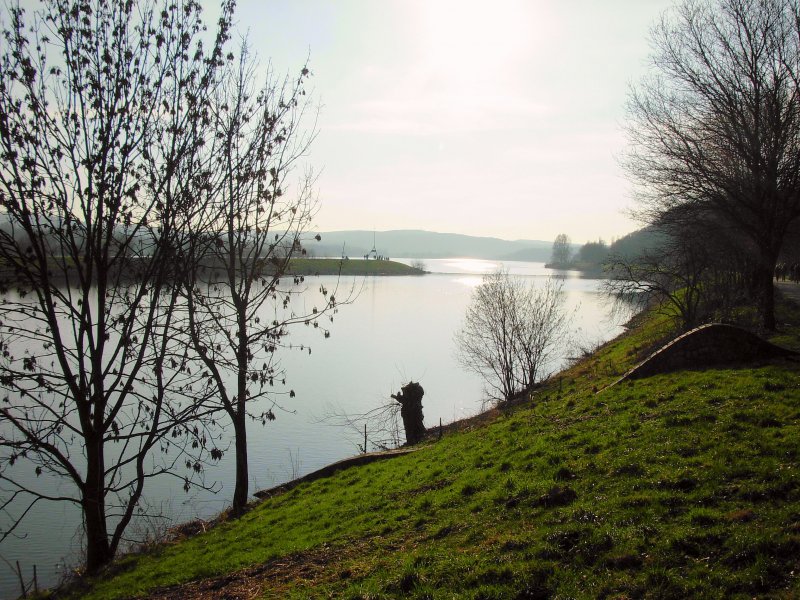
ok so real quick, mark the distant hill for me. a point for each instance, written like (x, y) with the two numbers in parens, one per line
(427, 244)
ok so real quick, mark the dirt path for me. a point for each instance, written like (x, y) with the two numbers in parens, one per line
(269, 580)
(790, 290)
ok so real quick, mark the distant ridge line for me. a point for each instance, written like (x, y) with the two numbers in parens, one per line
(418, 243)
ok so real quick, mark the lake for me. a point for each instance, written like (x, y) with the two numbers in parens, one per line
(398, 329)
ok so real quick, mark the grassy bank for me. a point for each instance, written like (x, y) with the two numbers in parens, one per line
(680, 485)
(334, 266)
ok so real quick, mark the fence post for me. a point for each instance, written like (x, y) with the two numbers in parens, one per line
(365, 438)
(21, 582)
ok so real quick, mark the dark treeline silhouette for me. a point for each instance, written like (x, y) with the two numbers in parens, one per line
(715, 152)
(595, 256)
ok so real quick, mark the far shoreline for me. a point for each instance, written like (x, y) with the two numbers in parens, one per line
(350, 266)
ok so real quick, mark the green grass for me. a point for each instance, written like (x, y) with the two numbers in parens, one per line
(334, 266)
(680, 485)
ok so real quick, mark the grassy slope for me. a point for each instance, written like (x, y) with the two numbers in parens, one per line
(334, 266)
(679, 485)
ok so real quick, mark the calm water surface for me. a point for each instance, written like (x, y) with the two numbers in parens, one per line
(398, 329)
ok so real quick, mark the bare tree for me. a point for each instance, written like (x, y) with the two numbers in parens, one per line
(540, 331)
(510, 332)
(100, 108)
(672, 277)
(379, 427)
(562, 250)
(698, 272)
(241, 301)
(716, 129)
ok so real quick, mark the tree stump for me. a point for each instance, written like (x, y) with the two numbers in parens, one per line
(410, 399)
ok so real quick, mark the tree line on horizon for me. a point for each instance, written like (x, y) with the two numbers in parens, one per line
(594, 256)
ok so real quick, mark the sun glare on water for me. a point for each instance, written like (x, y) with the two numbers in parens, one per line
(471, 281)
(471, 265)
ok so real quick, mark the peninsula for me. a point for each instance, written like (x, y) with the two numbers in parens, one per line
(349, 267)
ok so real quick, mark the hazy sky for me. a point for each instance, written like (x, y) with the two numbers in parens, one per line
(497, 118)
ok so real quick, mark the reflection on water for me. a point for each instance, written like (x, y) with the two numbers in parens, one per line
(399, 329)
(471, 281)
(461, 265)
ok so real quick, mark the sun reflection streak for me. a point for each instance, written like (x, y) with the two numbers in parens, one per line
(472, 265)
(471, 282)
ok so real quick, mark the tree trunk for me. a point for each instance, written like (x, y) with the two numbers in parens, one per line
(410, 399)
(98, 549)
(766, 296)
(240, 492)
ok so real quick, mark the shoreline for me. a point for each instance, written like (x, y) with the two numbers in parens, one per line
(357, 267)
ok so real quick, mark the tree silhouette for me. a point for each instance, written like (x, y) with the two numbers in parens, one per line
(562, 250)
(101, 107)
(239, 291)
(510, 332)
(715, 131)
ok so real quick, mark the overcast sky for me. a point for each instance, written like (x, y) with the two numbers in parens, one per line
(499, 118)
